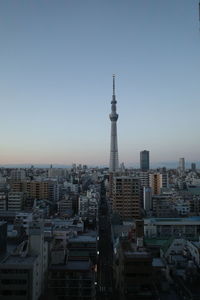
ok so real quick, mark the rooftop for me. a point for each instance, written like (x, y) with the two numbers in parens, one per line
(162, 243)
(172, 220)
(83, 238)
(18, 260)
(79, 265)
(78, 253)
(197, 244)
(195, 190)
(137, 254)
(158, 262)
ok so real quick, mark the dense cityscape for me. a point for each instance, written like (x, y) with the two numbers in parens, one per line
(99, 173)
(100, 233)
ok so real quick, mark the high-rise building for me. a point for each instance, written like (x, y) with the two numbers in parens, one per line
(164, 180)
(40, 190)
(144, 160)
(144, 178)
(155, 183)
(182, 164)
(126, 196)
(114, 163)
(193, 167)
(158, 181)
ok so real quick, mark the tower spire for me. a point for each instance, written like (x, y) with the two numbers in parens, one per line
(113, 84)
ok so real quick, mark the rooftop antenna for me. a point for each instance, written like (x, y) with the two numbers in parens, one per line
(199, 15)
(114, 82)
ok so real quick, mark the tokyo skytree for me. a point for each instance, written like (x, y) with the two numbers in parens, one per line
(114, 163)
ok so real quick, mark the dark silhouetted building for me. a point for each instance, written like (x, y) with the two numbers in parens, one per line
(3, 237)
(193, 167)
(144, 160)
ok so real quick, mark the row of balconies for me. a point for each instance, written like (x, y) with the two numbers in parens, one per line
(67, 277)
(72, 284)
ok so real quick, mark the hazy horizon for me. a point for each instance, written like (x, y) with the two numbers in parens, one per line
(168, 165)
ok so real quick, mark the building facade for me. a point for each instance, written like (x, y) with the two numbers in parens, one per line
(168, 227)
(126, 196)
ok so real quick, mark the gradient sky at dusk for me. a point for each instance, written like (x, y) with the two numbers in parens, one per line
(57, 58)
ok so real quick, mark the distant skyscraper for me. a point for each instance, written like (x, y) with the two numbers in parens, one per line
(193, 167)
(144, 160)
(114, 163)
(182, 164)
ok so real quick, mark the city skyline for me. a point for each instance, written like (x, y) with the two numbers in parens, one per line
(57, 62)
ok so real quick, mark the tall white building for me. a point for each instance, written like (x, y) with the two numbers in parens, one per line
(182, 164)
(147, 198)
(144, 179)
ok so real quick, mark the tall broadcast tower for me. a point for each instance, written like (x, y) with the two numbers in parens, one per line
(114, 163)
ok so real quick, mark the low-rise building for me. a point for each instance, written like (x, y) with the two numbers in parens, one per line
(194, 249)
(133, 271)
(87, 243)
(177, 227)
(71, 280)
(19, 278)
(24, 219)
(23, 272)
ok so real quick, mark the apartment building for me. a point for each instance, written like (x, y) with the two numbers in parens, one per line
(158, 181)
(38, 189)
(3, 201)
(15, 201)
(126, 196)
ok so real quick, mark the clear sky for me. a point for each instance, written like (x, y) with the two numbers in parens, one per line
(57, 58)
